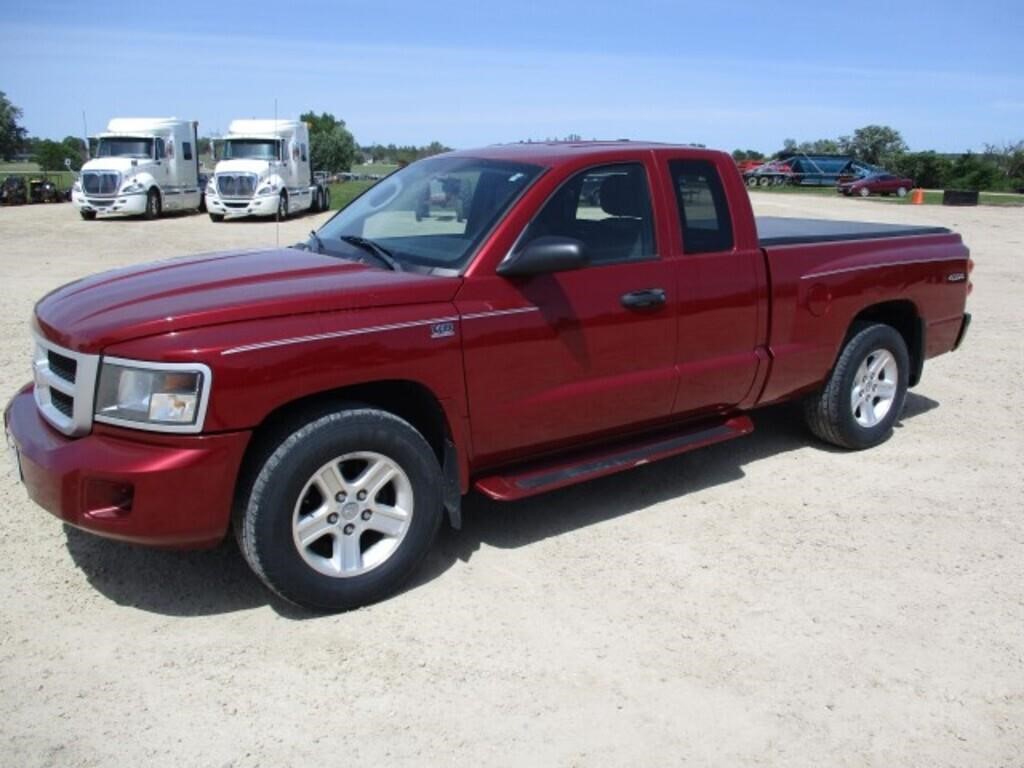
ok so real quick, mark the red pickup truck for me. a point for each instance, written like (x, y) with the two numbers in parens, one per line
(590, 308)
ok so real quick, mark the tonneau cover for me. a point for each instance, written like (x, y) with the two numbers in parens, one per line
(779, 230)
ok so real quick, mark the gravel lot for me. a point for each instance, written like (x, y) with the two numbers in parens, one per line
(768, 601)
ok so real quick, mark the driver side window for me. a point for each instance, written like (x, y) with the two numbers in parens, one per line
(607, 208)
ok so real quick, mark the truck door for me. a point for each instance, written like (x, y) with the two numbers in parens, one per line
(552, 358)
(721, 284)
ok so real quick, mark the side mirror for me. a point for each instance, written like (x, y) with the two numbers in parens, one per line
(543, 255)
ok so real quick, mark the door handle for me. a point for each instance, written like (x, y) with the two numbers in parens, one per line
(648, 298)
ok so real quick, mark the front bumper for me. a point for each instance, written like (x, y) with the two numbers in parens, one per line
(122, 205)
(171, 492)
(232, 208)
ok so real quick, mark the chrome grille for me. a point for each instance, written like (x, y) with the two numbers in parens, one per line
(236, 184)
(65, 386)
(101, 182)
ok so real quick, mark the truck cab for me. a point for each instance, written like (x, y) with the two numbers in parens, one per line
(142, 166)
(264, 169)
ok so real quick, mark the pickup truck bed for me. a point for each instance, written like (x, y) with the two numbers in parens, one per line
(777, 230)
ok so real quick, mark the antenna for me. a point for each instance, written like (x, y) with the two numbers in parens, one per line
(277, 219)
(85, 134)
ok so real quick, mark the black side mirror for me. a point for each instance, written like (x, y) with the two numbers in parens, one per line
(543, 255)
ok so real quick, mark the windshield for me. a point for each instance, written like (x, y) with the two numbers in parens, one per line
(433, 213)
(122, 146)
(250, 149)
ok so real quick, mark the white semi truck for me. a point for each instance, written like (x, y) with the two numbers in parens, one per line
(142, 166)
(264, 170)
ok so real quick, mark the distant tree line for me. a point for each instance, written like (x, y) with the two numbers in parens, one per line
(997, 168)
(400, 155)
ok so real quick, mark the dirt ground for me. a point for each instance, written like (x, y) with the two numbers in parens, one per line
(767, 601)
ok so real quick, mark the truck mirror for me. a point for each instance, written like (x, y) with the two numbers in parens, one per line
(543, 255)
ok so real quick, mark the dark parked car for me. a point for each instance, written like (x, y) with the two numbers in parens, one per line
(13, 191)
(877, 184)
(44, 191)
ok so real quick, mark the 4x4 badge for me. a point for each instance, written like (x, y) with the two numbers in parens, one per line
(442, 330)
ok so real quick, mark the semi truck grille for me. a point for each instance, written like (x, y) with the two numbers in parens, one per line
(236, 184)
(101, 182)
(65, 386)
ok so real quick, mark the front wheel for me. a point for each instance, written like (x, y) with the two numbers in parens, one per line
(864, 191)
(282, 207)
(152, 205)
(88, 215)
(343, 511)
(865, 392)
(216, 218)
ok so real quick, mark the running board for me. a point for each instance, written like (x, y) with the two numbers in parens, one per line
(541, 477)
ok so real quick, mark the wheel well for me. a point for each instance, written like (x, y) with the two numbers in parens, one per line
(903, 316)
(405, 399)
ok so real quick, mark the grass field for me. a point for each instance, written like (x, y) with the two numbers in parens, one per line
(344, 193)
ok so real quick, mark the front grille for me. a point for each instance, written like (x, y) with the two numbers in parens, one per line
(65, 386)
(236, 184)
(101, 182)
(63, 366)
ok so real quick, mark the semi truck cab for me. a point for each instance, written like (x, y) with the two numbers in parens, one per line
(264, 170)
(142, 167)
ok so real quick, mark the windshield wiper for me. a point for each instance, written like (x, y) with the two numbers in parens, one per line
(319, 243)
(375, 249)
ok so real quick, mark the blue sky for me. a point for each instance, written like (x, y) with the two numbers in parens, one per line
(948, 75)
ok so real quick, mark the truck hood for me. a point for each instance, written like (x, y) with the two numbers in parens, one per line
(122, 165)
(212, 289)
(259, 167)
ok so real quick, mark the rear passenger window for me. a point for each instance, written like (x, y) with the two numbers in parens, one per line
(607, 208)
(703, 212)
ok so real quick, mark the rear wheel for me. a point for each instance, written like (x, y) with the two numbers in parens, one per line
(865, 392)
(153, 205)
(88, 215)
(327, 199)
(764, 181)
(343, 511)
(901, 192)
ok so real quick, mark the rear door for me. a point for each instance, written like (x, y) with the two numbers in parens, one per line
(555, 358)
(720, 320)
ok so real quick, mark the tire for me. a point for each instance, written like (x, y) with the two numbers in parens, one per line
(865, 391)
(88, 215)
(327, 199)
(290, 496)
(152, 205)
(764, 181)
(901, 191)
(751, 181)
(282, 207)
(864, 191)
(216, 218)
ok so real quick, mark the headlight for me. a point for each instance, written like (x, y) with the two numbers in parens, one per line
(166, 397)
(131, 186)
(267, 189)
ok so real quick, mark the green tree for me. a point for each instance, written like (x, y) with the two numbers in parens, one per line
(927, 169)
(970, 171)
(332, 147)
(12, 135)
(50, 155)
(874, 144)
